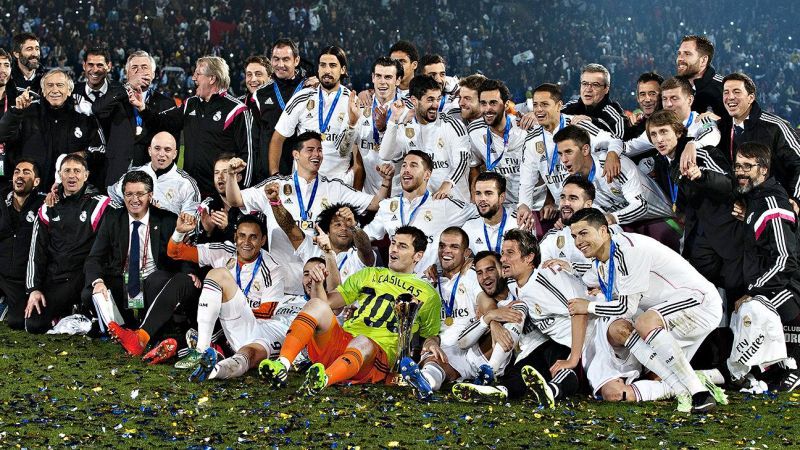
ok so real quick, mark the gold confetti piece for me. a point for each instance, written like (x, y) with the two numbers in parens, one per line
(97, 389)
(64, 353)
(202, 400)
(427, 425)
(393, 444)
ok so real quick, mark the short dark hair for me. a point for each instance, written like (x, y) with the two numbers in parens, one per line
(305, 136)
(316, 259)
(678, 83)
(592, 216)
(4, 54)
(428, 60)
(749, 85)
(138, 176)
(419, 240)
(385, 61)
(31, 162)
(338, 52)
(421, 84)
(460, 232)
(553, 89)
(761, 153)
(283, 42)
(20, 38)
(255, 219)
(573, 133)
(325, 217)
(74, 157)
(427, 161)
(527, 243)
(98, 51)
(224, 156)
(665, 117)
(648, 77)
(703, 44)
(583, 183)
(493, 176)
(485, 254)
(495, 85)
(260, 60)
(406, 47)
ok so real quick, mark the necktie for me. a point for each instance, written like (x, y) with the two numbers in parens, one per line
(133, 262)
(737, 130)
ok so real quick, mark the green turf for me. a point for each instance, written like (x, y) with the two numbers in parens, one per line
(77, 392)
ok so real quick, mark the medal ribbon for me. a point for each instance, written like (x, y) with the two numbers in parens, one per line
(607, 288)
(303, 210)
(555, 158)
(376, 136)
(591, 172)
(323, 126)
(490, 165)
(414, 211)
(499, 234)
(257, 265)
(341, 264)
(442, 102)
(279, 97)
(448, 307)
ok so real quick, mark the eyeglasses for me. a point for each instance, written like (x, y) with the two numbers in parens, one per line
(744, 167)
(131, 195)
(595, 85)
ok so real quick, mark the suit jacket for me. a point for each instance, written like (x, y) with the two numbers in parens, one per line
(110, 250)
(118, 124)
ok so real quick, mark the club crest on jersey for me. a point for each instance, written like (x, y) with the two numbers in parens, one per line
(310, 104)
(393, 206)
(231, 263)
(30, 217)
(540, 148)
(616, 191)
(749, 218)
(287, 189)
(341, 117)
(440, 143)
(325, 203)
(78, 133)
(461, 289)
(170, 194)
(257, 286)
(746, 321)
(428, 215)
(537, 308)
(409, 133)
(367, 112)
(217, 116)
(560, 241)
(83, 216)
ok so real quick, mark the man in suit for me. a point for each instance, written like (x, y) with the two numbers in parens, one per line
(126, 134)
(129, 259)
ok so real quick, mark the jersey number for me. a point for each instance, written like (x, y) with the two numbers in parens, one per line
(372, 318)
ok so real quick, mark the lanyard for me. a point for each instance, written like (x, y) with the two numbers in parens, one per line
(555, 158)
(323, 125)
(607, 288)
(414, 211)
(673, 188)
(341, 264)
(279, 97)
(499, 241)
(303, 210)
(448, 307)
(490, 165)
(442, 102)
(733, 127)
(256, 266)
(376, 135)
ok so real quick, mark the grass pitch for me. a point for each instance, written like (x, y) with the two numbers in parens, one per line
(75, 392)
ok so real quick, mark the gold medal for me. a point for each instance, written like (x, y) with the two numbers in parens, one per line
(448, 321)
(674, 207)
(304, 224)
(323, 136)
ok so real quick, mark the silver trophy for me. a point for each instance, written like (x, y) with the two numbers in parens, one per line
(406, 309)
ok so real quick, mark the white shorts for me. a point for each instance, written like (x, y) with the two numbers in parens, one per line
(691, 320)
(241, 326)
(466, 362)
(757, 338)
(602, 363)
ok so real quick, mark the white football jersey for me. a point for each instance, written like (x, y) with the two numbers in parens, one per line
(302, 114)
(174, 190)
(704, 132)
(347, 262)
(464, 297)
(367, 139)
(504, 158)
(488, 237)
(559, 244)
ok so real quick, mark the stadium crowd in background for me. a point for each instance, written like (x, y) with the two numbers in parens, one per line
(284, 204)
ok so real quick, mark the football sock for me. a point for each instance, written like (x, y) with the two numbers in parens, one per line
(433, 374)
(144, 338)
(714, 375)
(647, 356)
(301, 331)
(208, 307)
(232, 367)
(650, 390)
(564, 384)
(345, 367)
(500, 357)
(670, 353)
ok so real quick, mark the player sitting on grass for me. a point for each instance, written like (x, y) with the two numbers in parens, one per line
(363, 349)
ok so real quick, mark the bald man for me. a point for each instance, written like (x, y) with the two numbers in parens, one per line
(174, 190)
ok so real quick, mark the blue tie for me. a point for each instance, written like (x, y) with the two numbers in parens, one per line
(737, 130)
(133, 262)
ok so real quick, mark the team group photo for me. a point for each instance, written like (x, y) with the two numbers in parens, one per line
(380, 224)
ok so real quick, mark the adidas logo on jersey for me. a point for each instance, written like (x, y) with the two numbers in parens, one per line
(193, 113)
(269, 102)
(394, 217)
(479, 241)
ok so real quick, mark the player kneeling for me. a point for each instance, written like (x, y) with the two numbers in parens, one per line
(364, 348)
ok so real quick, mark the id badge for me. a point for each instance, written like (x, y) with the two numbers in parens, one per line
(136, 302)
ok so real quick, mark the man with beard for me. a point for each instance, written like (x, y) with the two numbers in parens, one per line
(17, 214)
(497, 141)
(486, 232)
(27, 72)
(469, 106)
(96, 65)
(217, 217)
(62, 238)
(648, 96)
(442, 137)
(594, 104)
(435, 67)
(213, 122)
(407, 54)
(44, 129)
(694, 64)
(127, 136)
(772, 275)
(174, 189)
(7, 100)
(328, 109)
